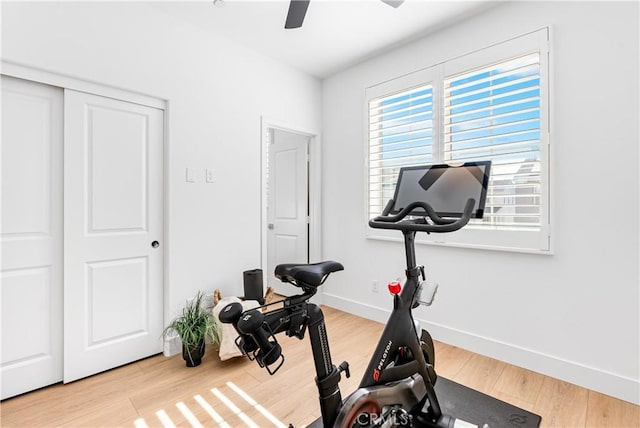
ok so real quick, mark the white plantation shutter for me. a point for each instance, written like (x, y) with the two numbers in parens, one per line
(400, 134)
(491, 104)
(493, 113)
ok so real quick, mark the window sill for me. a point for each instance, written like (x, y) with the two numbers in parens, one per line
(529, 242)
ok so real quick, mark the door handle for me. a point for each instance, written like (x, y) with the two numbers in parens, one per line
(270, 226)
(155, 244)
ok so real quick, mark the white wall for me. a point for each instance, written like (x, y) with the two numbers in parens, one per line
(573, 315)
(217, 92)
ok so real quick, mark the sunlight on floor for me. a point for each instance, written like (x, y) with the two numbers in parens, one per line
(223, 400)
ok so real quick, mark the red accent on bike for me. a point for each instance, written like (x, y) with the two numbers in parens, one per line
(394, 287)
(376, 375)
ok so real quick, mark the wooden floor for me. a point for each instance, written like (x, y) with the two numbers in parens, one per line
(161, 391)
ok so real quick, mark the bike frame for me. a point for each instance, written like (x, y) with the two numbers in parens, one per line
(298, 315)
(400, 331)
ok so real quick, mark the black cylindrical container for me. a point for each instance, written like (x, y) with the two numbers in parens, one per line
(253, 287)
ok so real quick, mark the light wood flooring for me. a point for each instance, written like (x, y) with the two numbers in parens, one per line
(160, 391)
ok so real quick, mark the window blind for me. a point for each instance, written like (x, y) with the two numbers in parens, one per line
(400, 134)
(493, 113)
(489, 104)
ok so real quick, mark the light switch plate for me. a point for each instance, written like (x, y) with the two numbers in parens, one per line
(191, 175)
(210, 174)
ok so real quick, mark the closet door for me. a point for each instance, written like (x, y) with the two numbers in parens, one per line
(113, 225)
(31, 236)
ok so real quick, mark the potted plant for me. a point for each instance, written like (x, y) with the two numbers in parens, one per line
(193, 326)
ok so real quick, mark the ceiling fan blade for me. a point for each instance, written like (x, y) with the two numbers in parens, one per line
(394, 3)
(297, 11)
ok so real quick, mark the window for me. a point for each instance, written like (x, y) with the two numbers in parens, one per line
(400, 134)
(488, 105)
(494, 113)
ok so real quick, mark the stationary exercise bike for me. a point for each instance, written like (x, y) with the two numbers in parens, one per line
(398, 386)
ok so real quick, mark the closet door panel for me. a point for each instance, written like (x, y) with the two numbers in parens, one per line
(113, 213)
(31, 236)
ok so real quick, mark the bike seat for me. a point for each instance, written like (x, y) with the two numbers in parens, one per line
(308, 274)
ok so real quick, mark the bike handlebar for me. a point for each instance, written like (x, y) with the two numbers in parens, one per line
(440, 224)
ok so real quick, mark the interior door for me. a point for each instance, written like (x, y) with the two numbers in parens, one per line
(113, 226)
(31, 236)
(287, 204)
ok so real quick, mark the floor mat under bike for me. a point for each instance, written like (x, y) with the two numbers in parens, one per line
(480, 409)
(476, 408)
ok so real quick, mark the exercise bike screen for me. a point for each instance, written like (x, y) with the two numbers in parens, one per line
(445, 187)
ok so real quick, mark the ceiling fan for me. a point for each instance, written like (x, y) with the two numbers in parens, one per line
(298, 9)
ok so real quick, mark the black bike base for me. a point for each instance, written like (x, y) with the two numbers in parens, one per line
(476, 408)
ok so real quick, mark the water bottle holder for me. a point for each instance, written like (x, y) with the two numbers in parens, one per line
(426, 293)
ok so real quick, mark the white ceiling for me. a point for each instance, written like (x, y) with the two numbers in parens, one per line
(335, 34)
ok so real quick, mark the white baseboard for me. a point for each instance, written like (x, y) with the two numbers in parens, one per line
(608, 383)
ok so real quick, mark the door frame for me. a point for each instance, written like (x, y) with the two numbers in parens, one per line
(314, 177)
(38, 75)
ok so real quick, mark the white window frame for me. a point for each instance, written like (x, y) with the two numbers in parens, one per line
(517, 240)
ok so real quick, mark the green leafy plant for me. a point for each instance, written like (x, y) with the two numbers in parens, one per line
(193, 326)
